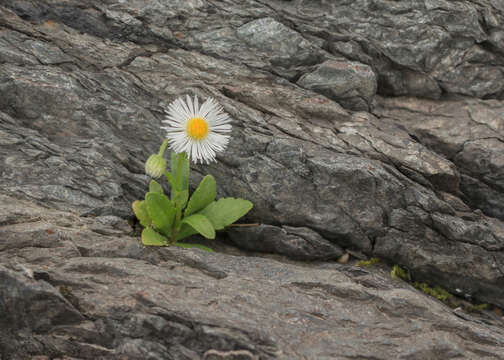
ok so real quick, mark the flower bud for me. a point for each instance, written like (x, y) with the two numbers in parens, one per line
(155, 166)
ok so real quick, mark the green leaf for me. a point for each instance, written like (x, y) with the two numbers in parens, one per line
(203, 195)
(184, 232)
(183, 177)
(181, 199)
(224, 212)
(161, 210)
(190, 246)
(150, 237)
(201, 224)
(156, 187)
(140, 210)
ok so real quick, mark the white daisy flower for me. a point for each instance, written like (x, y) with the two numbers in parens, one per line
(200, 132)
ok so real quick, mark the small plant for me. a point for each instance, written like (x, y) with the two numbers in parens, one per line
(195, 133)
(438, 292)
(370, 262)
(399, 272)
(478, 308)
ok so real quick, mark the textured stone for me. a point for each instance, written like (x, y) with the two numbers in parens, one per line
(108, 297)
(439, 43)
(468, 132)
(297, 243)
(416, 182)
(302, 159)
(282, 46)
(352, 84)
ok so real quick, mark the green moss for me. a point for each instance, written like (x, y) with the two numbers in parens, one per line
(369, 262)
(479, 307)
(437, 291)
(399, 272)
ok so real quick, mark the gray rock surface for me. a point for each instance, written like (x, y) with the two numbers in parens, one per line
(353, 84)
(295, 242)
(104, 296)
(468, 132)
(331, 161)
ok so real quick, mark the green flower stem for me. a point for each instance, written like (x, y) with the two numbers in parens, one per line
(162, 148)
(177, 218)
(178, 185)
(176, 225)
(180, 159)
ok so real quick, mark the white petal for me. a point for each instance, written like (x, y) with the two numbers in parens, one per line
(184, 107)
(190, 105)
(224, 128)
(205, 108)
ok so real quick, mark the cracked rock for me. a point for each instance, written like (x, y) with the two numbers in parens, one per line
(298, 243)
(352, 84)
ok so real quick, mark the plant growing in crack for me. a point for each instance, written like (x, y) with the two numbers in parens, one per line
(195, 134)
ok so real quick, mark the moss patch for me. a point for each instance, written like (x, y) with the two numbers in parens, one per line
(369, 262)
(478, 308)
(441, 294)
(438, 292)
(399, 272)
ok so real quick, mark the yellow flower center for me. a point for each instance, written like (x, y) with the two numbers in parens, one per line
(197, 128)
